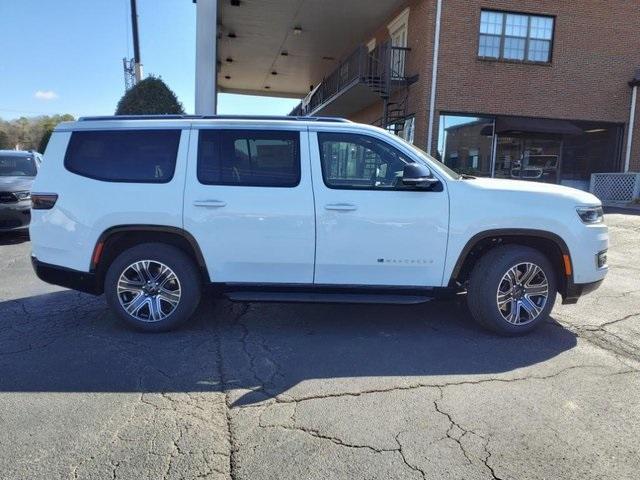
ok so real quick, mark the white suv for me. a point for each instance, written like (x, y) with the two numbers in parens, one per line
(149, 210)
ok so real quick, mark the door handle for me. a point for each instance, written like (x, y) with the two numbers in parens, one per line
(209, 203)
(341, 207)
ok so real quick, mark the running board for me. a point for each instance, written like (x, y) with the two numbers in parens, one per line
(307, 297)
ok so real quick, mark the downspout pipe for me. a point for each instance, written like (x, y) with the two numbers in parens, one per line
(632, 119)
(434, 75)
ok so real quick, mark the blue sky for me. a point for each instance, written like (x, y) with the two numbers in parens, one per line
(65, 56)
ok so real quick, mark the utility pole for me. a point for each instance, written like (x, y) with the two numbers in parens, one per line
(137, 64)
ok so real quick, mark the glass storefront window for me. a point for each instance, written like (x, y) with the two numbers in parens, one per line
(597, 150)
(533, 149)
(465, 144)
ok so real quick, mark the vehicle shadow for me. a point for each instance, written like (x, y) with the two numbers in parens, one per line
(14, 238)
(69, 342)
(623, 211)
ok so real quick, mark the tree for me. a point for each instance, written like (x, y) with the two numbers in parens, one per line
(4, 141)
(30, 133)
(151, 96)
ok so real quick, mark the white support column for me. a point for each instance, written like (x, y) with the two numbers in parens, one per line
(632, 121)
(434, 76)
(206, 57)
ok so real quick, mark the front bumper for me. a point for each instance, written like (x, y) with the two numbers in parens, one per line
(65, 277)
(15, 216)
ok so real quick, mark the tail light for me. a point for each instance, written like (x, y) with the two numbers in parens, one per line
(43, 201)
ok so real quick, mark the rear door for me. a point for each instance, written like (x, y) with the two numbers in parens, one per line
(249, 203)
(371, 230)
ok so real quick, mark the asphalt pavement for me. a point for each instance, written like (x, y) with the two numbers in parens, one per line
(275, 391)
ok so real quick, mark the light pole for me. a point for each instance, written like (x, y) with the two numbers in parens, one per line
(137, 64)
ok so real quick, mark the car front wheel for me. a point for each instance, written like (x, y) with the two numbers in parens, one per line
(153, 287)
(512, 289)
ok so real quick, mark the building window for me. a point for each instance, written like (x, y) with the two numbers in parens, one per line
(515, 37)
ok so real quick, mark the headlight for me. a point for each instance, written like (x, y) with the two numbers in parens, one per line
(590, 214)
(23, 196)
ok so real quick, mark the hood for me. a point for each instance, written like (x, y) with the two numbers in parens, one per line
(579, 197)
(16, 184)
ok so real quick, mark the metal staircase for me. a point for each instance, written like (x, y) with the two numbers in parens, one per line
(381, 70)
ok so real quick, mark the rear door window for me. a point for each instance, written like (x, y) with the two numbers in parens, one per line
(136, 156)
(258, 158)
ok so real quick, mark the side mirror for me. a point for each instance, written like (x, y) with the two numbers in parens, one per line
(418, 175)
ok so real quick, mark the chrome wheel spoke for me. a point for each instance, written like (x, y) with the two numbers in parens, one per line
(128, 285)
(504, 298)
(155, 309)
(530, 273)
(530, 307)
(142, 270)
(170, 297)
(134, 306)
(536, 290)
(514, 311)
(164, 275)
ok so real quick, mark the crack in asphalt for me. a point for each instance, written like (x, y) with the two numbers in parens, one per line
(418, 385)
(233, 449)
(453, 423)
(405, 460)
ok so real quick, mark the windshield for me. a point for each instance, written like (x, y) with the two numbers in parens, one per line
(429, 160)
(17, 166)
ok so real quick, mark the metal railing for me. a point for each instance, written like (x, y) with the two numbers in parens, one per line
(378, 69)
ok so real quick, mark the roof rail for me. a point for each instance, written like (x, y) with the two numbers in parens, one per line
(214, 117)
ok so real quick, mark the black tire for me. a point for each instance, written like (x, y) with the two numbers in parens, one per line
(186, 271)
(486, 278)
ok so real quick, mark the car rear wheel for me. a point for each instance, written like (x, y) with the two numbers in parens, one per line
(153, 287)
(512, 289)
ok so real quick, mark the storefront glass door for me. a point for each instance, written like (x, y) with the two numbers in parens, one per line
(534, 158)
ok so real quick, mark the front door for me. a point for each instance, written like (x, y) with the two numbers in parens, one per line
(370, 229)
(249, 204)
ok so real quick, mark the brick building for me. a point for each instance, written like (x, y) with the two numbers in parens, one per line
(533, 89)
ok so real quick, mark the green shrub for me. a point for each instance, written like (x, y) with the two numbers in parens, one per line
(150, 96)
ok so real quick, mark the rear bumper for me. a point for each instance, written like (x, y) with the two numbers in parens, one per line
(574, 291)
(65, 277)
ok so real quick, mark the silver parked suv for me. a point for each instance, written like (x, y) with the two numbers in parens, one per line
(18, 169)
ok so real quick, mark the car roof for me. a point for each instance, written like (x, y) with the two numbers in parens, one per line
(180, 121)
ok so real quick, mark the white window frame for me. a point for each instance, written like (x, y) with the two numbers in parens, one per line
(400, 22)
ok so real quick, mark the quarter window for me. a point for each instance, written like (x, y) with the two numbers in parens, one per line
(353, 161)
(136, 156)
(255, 158)
(515, 36)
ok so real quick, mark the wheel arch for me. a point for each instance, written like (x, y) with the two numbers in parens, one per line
(116, 239)
(549, 243)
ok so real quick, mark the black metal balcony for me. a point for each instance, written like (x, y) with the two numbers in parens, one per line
(363, 78)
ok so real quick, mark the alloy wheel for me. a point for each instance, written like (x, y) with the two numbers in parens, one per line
(149, 291)
(522, 293)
